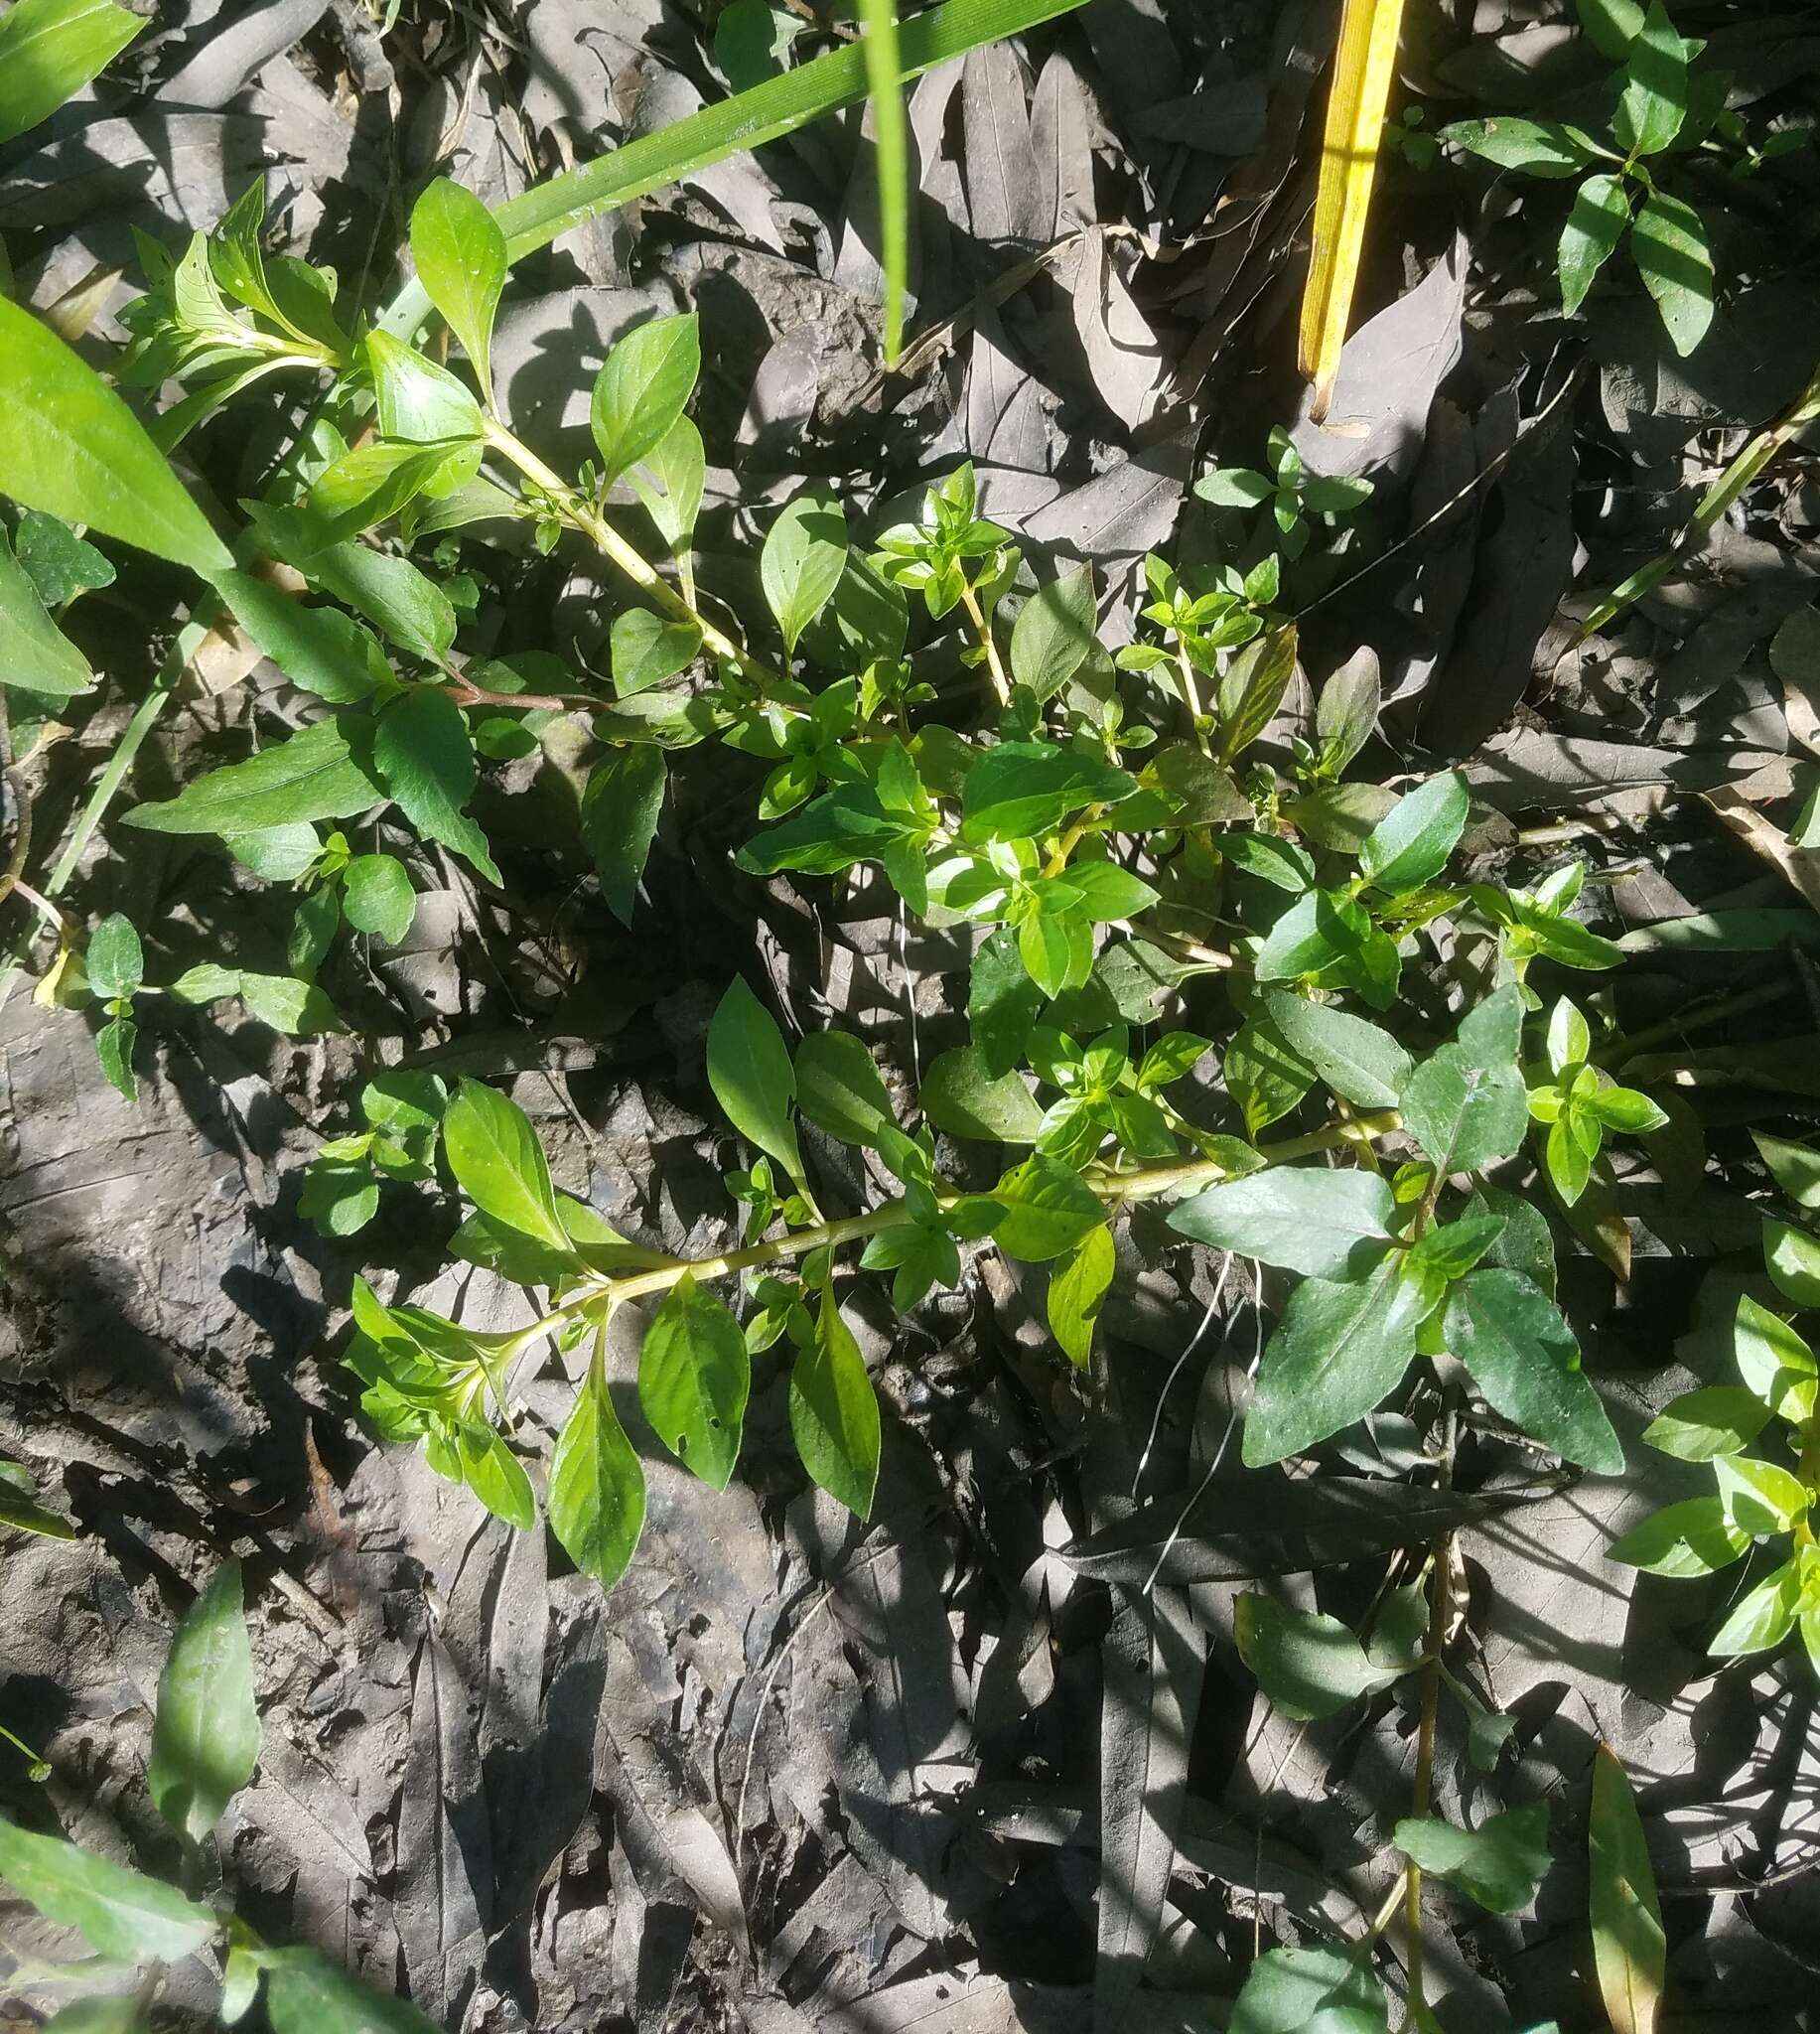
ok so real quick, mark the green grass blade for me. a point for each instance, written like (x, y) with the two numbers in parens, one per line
(892, 140)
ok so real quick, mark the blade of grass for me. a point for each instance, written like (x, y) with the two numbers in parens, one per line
(1362, 72)
(891, 139)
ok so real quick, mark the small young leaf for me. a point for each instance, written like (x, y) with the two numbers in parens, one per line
(1077, 1290)
(1412, 843)
(694, 1378)
(1308, 1666)
(206, 1739)
(749, 1069)
(1047, 1207)
(377, 897)
(1333, 1225)
(1360, 1062)
(498, 1163)
(620, 812)
(834, 1413)
(58, 563)
(1669, 246)
(1499, 1864)
(1630, 1949)
(113, 1045)
(460, 252)
(839, 1088)
(642, 389)
(119, 1913)
(1524, 1358)
(597, 1486)
(115, 959)
(1595, 226)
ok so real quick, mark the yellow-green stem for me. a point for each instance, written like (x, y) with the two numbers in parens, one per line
(983, 630)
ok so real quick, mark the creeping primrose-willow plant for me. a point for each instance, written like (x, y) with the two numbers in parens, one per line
(1114, 836)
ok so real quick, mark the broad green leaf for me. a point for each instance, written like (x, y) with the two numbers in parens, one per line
(1412, 843)
(1047, 1207)
(1759, 1497)
(319, 649)
(1198, 791)
(1330, 936)
(377, 897)
(1773, 1361)
(1524, 1243)
(646, 650)
(1595, 226)
(1652, 100)
(498, 1163)
(802, 561)
(1345, 714)
(748, 1070)
(1499, 1864)
(1669, 245)
(669, 483)
(597, 1486)
(50, 50)
(961, 1095)
(1056, 633)
(1310, 1990)
(120, 1913)
(1002, 1007)
(619, 810)
(834, 1413)
(827, 835)
(839, 1088)
(1339, 816)
(641, 390)
(1109, 892)
(1308, 1666)
(321, 774)
(1263, 1076)
(1325, 1223)
(35, 654)
(1630, 1949)
(1538, 148)
(1466, 1104)
(1698, 1426)
(1792, 1258)
(1077, 1290)
(1795, 1168)
(115, 960)
(1019, 791)
(1692, 1538)
(460, 253)
(1523, 1357)
(422, 754)
(205, 1738)
(1336, 1351)
(70, 446)
(396, 598)
(1359, 1061)
(297, 1008)
(1765, 1618)
(1450, 1249)
(58, 563)
(1611, 25)
(1252, 689)
(694, 1378)
(305, 1993)
(418, 401)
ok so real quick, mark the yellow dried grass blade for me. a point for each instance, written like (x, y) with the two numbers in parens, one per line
(1362, 72)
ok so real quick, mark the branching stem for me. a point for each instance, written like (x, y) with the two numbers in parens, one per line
(983, 630)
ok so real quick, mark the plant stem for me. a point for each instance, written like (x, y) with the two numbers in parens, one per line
(1439, 1597)
(1191, 693)
(983, 630)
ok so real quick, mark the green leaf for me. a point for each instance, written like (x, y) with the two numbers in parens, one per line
(640, 391)
(839, 1088)
(1047, 1207)
(50, 50)
(1308, 1666)
(1499, 1864)
(1328, 936)
(305, 1993)
(1056, 633)
(422, 753)
(1775, 1361)
(669, 483)
(1252, 689)
(396, 598)
(115, 960)
(1699, 1426)
(1110, 892)
(1630, 1949)
(119, 1913)
(1337, 1350)
(1198, 791)
(1794, 1167)
(1595, 226)
(1611, 25)
(1792, 1258)
(377, 897)
(101, 2016)
(1538, 148)
(1263, 1076)
(834, 1413)
(460, 253)
(1523, 1357)
(1359, 1061)
(1451, 1248)
(113, 1045)
(645, 650)
(1765, 1618)
(1002, 1007)
(961, 1095)
(1670, 249)
(1652, 100)
(1685, 1540)
(1760, 1497)
(1323, 1223)
(1077, 1290)
(620, 812)
(597, 1486)
(1019, 791)
(297, 1008)
(70, 446)
(482, 1461)
(58, 563)
(748, 1070)
(694, 1378)
(498, 1163)
(320, 774)
(1412, 843)
(35, 654)
(319, 649)
(1466, 1104)
(1310, 1990)
(803, 560)
(1524, 1243)
(205, 1738)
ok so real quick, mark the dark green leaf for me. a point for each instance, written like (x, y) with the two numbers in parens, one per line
(1451, 1248)
(115, 960)
(1499, 1864)
(1002, 1006)
(749, 1069)
(119, 1913)
(1524, 1243)
(1306, 1666)
(597, 1487)
(1310, 1990)
(1056, 633)
(1595, 226)
(396, 598)
(1252, 689)
(205, 1738)
(839, 1088)
(1413, 842)
(646, 650)
(1019, 789)
(35, 654)
(694, 1378)
(378, 895)
(834, 1413)
(1466, 1104)
(619, 810)
(319, 649)
(320, 774)
(1263, 1076)
(113, 1045)
(1524, 1358)
(961, 1095)
(1357, 1060)
(422, 752)
(305, 1993)
(1323, 1223)
(640, 391)
(498, 1163)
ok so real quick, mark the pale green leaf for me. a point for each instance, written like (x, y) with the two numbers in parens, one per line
(206, 1736)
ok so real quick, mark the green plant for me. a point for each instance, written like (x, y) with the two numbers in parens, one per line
(205, 1748)
(1762, 1502)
